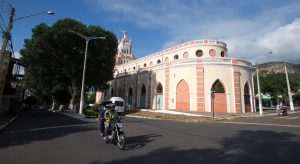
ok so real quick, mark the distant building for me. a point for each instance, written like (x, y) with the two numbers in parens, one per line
(196, 76)
(124, 51)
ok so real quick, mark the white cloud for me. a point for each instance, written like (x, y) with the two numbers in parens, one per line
(17, 55)
(274, 27)
(284, 42)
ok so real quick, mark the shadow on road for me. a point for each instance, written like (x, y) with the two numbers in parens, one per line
(41, 125)
(246, 147)
(137, 142)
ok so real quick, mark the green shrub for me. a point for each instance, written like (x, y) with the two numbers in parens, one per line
(95, 107)
(90, 113)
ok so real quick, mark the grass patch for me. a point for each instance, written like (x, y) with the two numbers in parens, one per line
(165, 116)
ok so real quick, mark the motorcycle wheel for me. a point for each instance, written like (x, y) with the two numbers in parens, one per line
(121, 141)
(106, 139)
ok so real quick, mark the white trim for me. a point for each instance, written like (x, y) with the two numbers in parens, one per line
(232, 77)
(228, 102)
(191, 101)
(209, 104)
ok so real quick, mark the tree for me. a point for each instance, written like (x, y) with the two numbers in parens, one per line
(92, 98)
(54, 56)
(275, 84)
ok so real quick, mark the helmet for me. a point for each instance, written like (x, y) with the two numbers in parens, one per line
(111, 106)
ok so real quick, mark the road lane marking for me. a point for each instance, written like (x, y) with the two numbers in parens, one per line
(53, 127)
(262, 124)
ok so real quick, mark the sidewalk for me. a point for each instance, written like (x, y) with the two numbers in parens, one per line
(221, 116)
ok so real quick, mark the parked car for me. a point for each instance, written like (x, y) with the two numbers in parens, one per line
(119, 104)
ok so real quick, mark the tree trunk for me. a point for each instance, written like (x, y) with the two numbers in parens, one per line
(72, 101)
(73, 96)
(53, 105)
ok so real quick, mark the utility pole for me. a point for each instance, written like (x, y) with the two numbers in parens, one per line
(6, 38)
(289, 88)
(258, 90)
(6, 34)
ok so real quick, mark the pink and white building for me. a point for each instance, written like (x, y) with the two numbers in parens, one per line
(196, 76)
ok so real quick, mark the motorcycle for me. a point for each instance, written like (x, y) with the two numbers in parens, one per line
(116, 136)
(282, 111)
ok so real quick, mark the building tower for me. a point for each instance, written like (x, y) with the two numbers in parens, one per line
(124, 54)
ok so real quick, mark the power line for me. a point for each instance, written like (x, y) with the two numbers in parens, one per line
(3, 5)
(2, 22)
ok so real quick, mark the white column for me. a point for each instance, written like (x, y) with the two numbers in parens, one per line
(228, 102)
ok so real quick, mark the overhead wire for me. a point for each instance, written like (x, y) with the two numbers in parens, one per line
(4, 4)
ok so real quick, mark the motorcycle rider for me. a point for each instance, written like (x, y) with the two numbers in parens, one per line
(111, 117)
(102, 110)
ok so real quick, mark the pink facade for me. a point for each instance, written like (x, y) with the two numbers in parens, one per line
(193, 76)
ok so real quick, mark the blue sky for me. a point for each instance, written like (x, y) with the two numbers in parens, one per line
(251, 28)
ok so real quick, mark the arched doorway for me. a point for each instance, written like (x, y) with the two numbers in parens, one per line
(130, 98)
(159, 96)
(183, 96)
(247, 98)
(143, 97)
(112, 93)
(120, 92)
(218, 97)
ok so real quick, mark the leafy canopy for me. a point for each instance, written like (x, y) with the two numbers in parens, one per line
(54, 57)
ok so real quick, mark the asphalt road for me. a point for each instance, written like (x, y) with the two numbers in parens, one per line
(46, 137)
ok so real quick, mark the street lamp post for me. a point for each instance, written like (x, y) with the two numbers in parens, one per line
(289, 88)
(6, 38)
(87, 39)
(213, 101)
(6, 35)
(258, 90)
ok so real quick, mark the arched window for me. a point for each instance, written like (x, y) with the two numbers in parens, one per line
(176, 57)
(143, 96)
(158, 61)
(222, 54)
(246, 89)
(218, 87)
(159, 88)
(112, 92)
(133, 68)
(199, 53)
(130, 97)
(145, 65)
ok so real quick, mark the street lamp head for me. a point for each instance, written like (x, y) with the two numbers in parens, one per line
(50, 13)
(95, 37)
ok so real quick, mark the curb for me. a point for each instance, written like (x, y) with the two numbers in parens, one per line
(143, 117)
(78, 117)
(2, 127)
